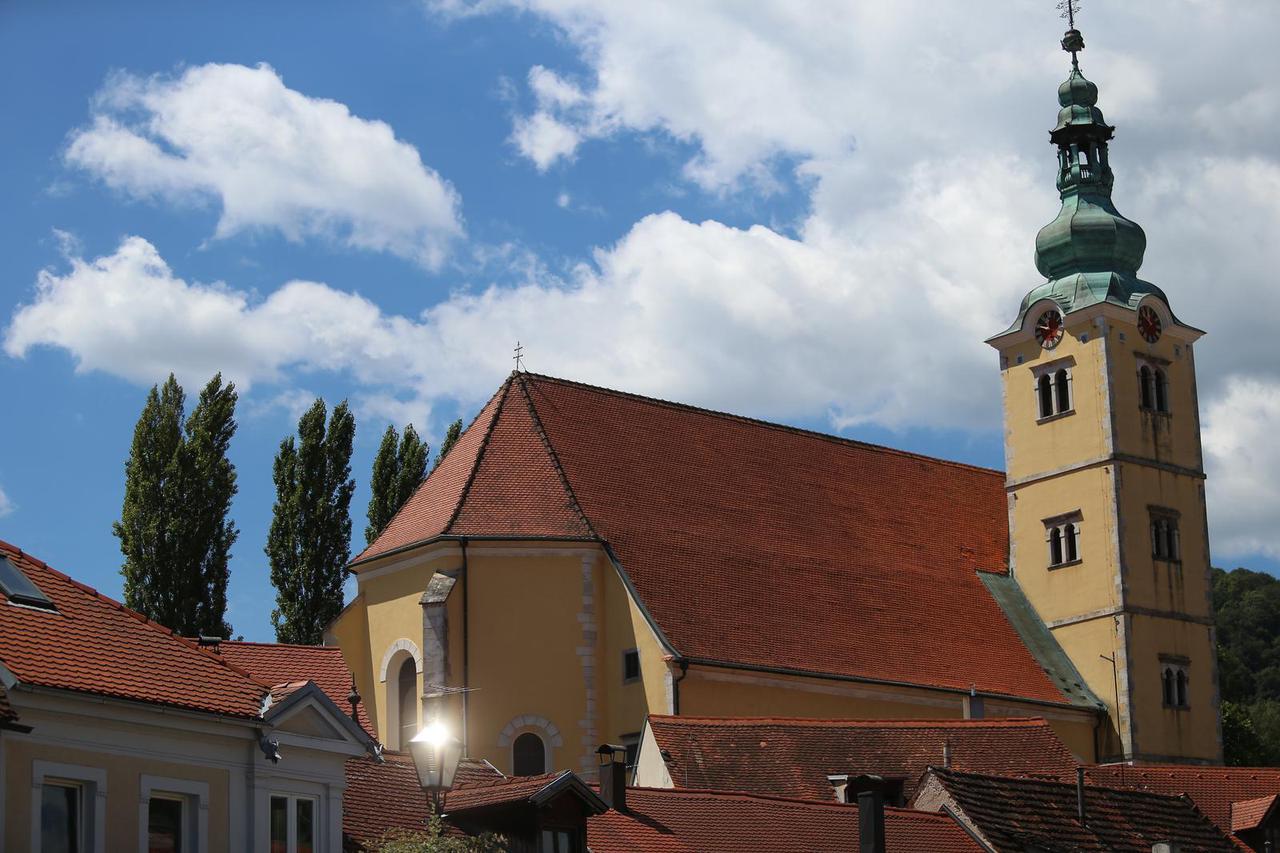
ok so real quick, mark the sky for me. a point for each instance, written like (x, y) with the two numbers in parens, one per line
(811, 212)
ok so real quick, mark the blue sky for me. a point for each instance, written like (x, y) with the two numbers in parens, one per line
(801, 212)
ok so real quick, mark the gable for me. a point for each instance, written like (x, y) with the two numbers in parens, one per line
(310, 722)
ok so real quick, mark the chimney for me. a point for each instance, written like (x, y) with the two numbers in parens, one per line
(212, 643)
(871, 821)
(613, 775)
(1081, 814)
(840, 786)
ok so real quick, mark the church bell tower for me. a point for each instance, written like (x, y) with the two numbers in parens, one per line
(1108, 536)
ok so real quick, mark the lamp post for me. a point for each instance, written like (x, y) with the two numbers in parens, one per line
(436, 753)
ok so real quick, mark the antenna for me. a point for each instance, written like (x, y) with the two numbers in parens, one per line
(518, 358)
(1072, 41)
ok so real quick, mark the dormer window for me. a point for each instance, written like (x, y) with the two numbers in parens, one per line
(20, 589)
(1062, 534)
(1053, 390)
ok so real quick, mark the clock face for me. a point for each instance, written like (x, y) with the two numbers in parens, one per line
(1149, 324)
(1049, 329)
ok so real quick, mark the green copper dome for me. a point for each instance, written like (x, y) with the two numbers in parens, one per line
(1089, 253)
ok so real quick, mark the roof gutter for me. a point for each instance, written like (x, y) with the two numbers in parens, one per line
(453, 537)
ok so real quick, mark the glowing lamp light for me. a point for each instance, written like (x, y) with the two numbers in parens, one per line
(436, 753)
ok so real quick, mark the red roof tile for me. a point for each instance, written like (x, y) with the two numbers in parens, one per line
(793, 757)
(382, 796)
(811, 553)
(1249, 814)
(1212, 789)
(94, 644)
(276, 663)
(497, 790)
(676, 821)
(1019, 814)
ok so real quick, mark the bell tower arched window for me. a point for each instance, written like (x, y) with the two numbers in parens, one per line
(1153, 388)
(1175, 682)
(1063, 536)
(1053, 389)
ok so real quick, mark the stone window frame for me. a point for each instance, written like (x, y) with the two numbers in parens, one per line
(1054, 389)
(92, 782)
(392, 660)
(540, 726)
(1069, 530)
(1153, 384)
(1166, 537)
(1175, 682)
(195, 798)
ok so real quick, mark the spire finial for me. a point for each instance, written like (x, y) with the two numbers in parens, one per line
(1072, 41)
(518, 358)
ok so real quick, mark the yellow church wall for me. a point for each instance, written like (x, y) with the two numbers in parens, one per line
(525, 662)
(1074, 588)
(124, 783)
(1034, 446)
(1085, 642)
(1161, 732)
(350, 632)
(625, 627)
(1173, 437)
(1162, 584)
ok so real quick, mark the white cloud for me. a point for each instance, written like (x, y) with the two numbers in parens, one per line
(544, 139)
(6, 505)
(1243, 456)
(272, 157)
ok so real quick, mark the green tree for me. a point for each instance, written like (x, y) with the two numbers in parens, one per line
(450, 439)
(1247, 622)
(433, 840)
(310, 537)
(397, 471)
(174, 529)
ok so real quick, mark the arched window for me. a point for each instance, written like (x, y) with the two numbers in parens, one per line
(1166, 544)
(1146, 387)
(1062, 390)
(1069, 543)
(1045, 386)
(1055, 546)
(1161, 382)
(407, 695)
(528, 755)
(1181, 683)
(1170, 697)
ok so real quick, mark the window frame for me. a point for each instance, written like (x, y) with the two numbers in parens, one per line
(1166, 535)
(546, 752)
(629, 741)
(92, 783)
(1153, 385)
(292, 799)
(195, 813)
(1051, 382)
(626, 654)
(1175, 683)
(1063, 534)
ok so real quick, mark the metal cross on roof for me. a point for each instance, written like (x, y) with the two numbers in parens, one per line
(1072, 42)
(518, 358)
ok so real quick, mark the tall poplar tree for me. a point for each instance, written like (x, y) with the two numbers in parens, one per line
(450, 438)
(310, 537)
(398, 468)
(174, 529)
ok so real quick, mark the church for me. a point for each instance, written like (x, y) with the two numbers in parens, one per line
(585, 557)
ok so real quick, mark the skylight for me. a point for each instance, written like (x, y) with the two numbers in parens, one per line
(19, 589)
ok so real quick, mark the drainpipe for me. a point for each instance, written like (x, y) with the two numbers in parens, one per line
(675, 687)
(1081, 814)
(466, 648)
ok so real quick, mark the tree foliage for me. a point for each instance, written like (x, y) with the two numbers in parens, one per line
(450, 438)
(433, 840)
(310, 537)
(401, 464)
(1247, 619)
(174, 529)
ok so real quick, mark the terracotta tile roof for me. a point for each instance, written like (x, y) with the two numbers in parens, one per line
(474, 770)
(1016, 814)
(498, 790)
(276, 663)
(812, 553)
(1249, 814)
(793, 757)
(676, 821)
(382, 796)
(1212, 789)
(94, 644)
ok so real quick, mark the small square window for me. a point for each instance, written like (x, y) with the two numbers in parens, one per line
(632, 744)
(630, 666)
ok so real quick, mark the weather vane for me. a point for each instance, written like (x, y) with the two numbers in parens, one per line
(1072, 42)
(518, 358)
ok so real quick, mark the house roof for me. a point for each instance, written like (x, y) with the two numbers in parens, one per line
(93, 644)
(277, 663)
(812, 553)
(380, 797)
(1212, 789)
(1249, 814)
(661, 820)
(793, 757)
(480, 792)
(1017, 814)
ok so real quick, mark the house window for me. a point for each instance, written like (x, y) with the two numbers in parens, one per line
(1174, 682)
(293, 824)
(632, 744)
(166, 827)
(1153, 388)
(62, 824)
(560, 840)
(1166, 542)
(630, 666)
(1053, 392)
(175, 814)
(1063, 537)
(407, 691)
(528, 755)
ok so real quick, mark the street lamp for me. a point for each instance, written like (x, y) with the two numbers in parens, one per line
(436, 753)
